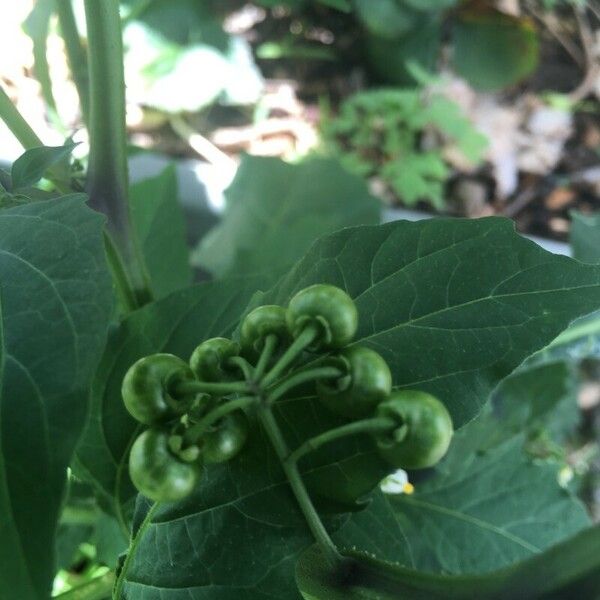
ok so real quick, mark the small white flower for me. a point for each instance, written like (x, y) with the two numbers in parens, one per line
(397, 483)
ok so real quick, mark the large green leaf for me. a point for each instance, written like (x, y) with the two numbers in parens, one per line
(160, 227)
(486, 506)
(568, 570)
(493, 50)
(56, 300)
(176, 324)
(453, 305)
(276, 210)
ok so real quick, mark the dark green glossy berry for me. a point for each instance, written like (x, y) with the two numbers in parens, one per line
(260, 323)
(423, 433)
(157, 472)
(226, 439)
(209, 360)
(330, 309)
(367, 382)
(148, 385)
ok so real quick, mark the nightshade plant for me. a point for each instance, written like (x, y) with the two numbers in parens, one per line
(259, 411)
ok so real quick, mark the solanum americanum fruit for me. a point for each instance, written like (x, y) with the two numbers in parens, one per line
(157, 472)
(148, 386)
(260, 323)
(211, 396)
(226, 439)
(367, 381)
(209, 360)
(423, 433)
(330, 309)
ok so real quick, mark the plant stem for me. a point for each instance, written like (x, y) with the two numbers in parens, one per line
(96, 589)
(364, 426)
(75, 53)
(244, 366)
(195, 432)
(265, 355)
(107, 182)
(185, 388)
(295, 480)
(298, 378)
(16, 123)
(132, 550)
(304, 340)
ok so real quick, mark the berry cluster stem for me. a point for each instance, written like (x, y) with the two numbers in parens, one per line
(194, 433)
(305, 339)
(297, 484)
(364, 426)
(300, 377)
(266, 354)
(245, 367)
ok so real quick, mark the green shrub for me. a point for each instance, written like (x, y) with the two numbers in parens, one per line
(380, 133)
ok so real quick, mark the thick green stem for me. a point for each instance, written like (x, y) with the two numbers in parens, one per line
(364, 426)
(295, 480)
(296, 379)
(96, 589)
(108, 179)
(265, 356)
(194, 433)
(305, 339)
(75, 53)
(132, 549)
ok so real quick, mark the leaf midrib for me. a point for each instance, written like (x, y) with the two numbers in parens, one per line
(474, 302)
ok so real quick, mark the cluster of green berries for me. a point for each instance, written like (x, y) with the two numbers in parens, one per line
(196, 412)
